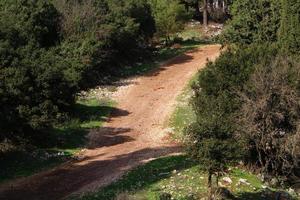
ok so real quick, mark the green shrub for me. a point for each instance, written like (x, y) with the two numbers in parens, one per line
(36, 84)
(169, 16)
(29, 22)
(253, 22)
(289, 33)
(270, 115)
(105, 36)
(211, 140)
(48, 52)
(35, 89)
(246, 104)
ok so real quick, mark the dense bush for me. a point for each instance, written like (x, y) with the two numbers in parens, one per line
(215, 103)
(248, 104)
(210, 139)
(48, 52)
(253, 22)
(289, 33)
(169, 16)
(36, 84)
(251, 93)
(105, 35)
(270, 116)
(29, 22)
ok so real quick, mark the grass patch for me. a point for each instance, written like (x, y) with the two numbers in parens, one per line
(191, 33)
(143, 179)
(179, 178)
(183, 114)
(58, 144)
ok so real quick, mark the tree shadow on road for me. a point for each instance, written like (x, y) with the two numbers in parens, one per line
(57, 145)
(107, 136)
(69, 178)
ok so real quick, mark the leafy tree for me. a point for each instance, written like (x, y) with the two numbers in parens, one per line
(169, 17)
(48, 53)
(253, 22)
(246, 101)
(215, 10)
(114, 34)
(36, 83)
(269, 116)
(212, 139)
(289, 32)
(193, 5)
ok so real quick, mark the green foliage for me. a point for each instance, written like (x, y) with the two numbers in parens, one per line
(48, 53)
(253, 22)
(57, 144)
(264, 21)
(178, 178)
(118, 38)
(240, 111)
(269, 116)
(35, 84)
(29, 22)
(211, 139)
(142, 177)
(169, 17)
(289, 33)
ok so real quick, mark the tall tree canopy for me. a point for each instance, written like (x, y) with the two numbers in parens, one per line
(253, 21)
(290, 25)
(50, 50)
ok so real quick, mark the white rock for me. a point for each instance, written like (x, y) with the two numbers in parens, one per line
(241, 162)
(227, 180)
(220, 184)
(244, 181)
(291, 191)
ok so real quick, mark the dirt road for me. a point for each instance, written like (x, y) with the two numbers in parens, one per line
(133, 135)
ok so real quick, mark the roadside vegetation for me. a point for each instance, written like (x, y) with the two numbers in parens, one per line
(246, 112)
(246, 102)
(50, 51)
(183, 115)
(63, 142)
(40, 132)
(238, 118)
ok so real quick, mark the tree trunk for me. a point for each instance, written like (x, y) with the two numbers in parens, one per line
(209, 185)
(205, 13)
(197, 10)
(224, 6)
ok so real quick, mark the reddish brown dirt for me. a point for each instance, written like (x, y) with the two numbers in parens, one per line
(133, 135)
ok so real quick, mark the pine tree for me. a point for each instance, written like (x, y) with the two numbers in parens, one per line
(254, 21)
(289, 33)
